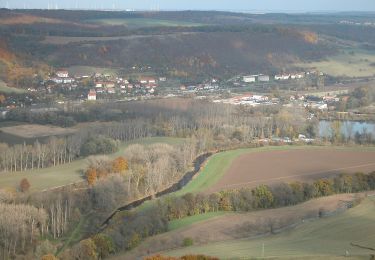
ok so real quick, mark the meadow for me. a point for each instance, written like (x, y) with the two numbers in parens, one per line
(5, 89)
(65, 174)
(348, 63)
(327, 238)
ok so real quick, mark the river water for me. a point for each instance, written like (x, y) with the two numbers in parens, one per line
(348, 128)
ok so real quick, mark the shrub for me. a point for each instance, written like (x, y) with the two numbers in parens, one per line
(24, 185)
(188, 241)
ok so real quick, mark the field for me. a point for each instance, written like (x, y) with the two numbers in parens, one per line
(268, 165)
(87, 71)
(328, 237)
(5, 89)
(350, 63)
(185, 222)
(29, 133)
(231, 226)
(143, 22)
(67, 173)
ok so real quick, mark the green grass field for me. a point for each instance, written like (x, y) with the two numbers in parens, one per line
(185, 222)
(143, 22)
(322, 239)
(87, 70)
(68, 173)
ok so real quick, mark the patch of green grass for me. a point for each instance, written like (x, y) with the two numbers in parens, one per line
(68, 173)
(185, 222)
(144, 22)
(322, 239)
(87, 70)
(75, 236)
(5, 89)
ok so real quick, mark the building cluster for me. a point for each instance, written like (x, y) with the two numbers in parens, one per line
(256, 78)
(102, 84)
(278, 77)
(249, 100)
(209, 86)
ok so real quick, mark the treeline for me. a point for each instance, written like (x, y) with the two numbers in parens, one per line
(44, 118)
(130, 228)
(265, 197)
(55, 151)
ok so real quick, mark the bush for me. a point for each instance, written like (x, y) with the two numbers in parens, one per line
(99, 145)
(188, 241)
(24, 185)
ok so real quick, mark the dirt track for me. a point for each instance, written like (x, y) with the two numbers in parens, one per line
(272, 167)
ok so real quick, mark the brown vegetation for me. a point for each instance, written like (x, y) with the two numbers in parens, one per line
(272, 167)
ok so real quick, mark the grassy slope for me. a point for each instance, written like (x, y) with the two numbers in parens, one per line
(185, 222)
(327, 237)
(5, 89)
(67, 173)
(356, 64)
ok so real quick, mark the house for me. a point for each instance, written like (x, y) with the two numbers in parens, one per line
(163, 79)
(111, 90)
(91, 95)
(57, 80)
(263, 78)
(249, 79)
(67, 80)
(278, 77)
(62, 74)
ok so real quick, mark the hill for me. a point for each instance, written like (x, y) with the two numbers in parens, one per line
(328, 237)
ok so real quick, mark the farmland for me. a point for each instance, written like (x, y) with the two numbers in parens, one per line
(251, 167)
(22, 133)
(349, 63)
(67, 173)
(328, 237)
(143, 22)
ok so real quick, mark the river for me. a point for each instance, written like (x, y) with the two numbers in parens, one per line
(348, 128)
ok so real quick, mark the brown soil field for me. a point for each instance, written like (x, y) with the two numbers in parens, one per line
(241, 225)
(34, 131)
(272, 167)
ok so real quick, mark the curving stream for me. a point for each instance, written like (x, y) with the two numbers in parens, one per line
(175, 187)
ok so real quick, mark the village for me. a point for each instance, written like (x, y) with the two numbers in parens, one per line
(244, 90)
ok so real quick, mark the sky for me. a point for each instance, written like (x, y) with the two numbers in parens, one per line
(234, 5)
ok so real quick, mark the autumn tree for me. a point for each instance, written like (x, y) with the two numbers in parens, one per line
(263, 197)
(91, 176)
(120, 165)
(24, 185)
(2, 98)
(49, 257)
